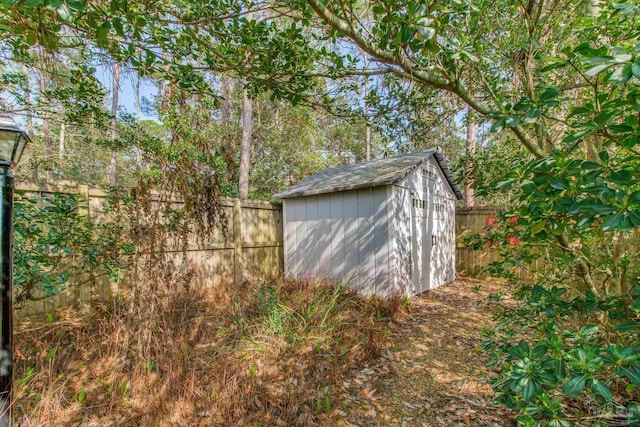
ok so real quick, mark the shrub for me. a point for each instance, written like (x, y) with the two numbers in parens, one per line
(568, 349)
(564, 373)
(56, 246)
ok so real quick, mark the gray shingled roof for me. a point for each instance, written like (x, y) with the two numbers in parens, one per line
(364, 175)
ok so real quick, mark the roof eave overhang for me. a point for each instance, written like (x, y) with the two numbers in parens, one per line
(334, 190)
(440, 159)
(444, 166)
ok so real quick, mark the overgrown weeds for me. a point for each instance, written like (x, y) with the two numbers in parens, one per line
(265, 354)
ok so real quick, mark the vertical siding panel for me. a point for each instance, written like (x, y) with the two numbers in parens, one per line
(289, 230)
(289, 236)
(324, 236)
(350, 205)
(338, 270)
(381, 242)
(418, 268)
(366, 241)
(432, 254)
(402, 219)
(301, 238)
(390, 192)
(312, 255)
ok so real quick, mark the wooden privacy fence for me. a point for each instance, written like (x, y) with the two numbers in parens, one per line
(468, 222)
(250, 248)
(471, 262)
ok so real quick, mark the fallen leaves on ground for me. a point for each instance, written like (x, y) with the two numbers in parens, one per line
(433, 373)
(330, 358)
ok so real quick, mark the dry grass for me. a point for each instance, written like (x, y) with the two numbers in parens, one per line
(260, 355)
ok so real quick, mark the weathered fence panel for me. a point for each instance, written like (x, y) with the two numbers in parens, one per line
(247, 247)
(468, 222)
(471, 262)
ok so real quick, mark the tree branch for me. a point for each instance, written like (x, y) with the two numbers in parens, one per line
(408, 71)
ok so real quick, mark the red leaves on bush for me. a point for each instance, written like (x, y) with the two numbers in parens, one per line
(504, 233)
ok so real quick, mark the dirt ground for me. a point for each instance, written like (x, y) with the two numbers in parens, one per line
(434, 374)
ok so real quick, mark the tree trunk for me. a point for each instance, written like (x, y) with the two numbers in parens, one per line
(245, 151)
(27, 98)
(114, 125)
(46, 136)
(29, 113)
(470, 148)
(367, 129)
(226, 100)
(367, 141)
(228, 147)
(61, 141)
(247, 133)
(138, 125)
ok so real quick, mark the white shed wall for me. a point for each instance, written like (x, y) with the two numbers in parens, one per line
(400, 241)
(424, 266)
(443, 254)
(340, 236)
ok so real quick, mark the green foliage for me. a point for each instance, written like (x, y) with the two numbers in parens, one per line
(595, 370)
(276, 317)
(56, 246)
(568, 352)
(301, 320)
(29, 374)
(495, 159)
(562, 82)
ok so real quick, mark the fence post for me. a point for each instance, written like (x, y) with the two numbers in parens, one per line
(238, 261)
(82, 210)
(81, 296)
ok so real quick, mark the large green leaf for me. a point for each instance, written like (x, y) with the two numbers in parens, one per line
(597, 69)
(627, 326)
(601, 390)
(533, 116)
(596, 207)
(634, 217)
(631, 372)
(530, 390)
(538, 227)
(621, 176)
(613, 221)
(574, 386)
(635, 69)
(559, 183)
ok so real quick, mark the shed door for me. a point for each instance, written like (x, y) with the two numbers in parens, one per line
(422, 229)
(421, 245)
(438, 238)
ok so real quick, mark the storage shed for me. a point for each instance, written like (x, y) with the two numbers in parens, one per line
(385, 227)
